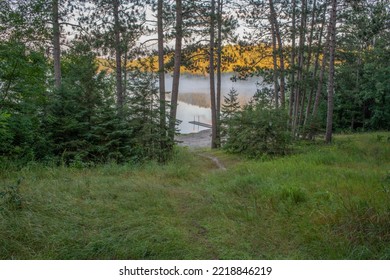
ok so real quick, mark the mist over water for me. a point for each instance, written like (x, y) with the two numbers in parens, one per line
(194, 97)
(201, 84)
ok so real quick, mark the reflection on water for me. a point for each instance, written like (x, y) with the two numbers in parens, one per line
(201, 84)
(187, 112)
(194, 93)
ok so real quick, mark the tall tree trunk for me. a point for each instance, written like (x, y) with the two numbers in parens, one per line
(118, 55)
(212, 77)
(292, 68)
(176, 70)
(301, 50)
(219, 70)
(275, 63)
(281, 55)
(56, 44)
(308, 64)
(316, 65)
(316, 104)
(124, 69)
(161, 74)
(332, 51)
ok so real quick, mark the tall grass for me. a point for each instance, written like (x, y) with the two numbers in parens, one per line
(324, 202)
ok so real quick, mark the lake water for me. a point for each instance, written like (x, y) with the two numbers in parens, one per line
(200, 86)
(188, 112)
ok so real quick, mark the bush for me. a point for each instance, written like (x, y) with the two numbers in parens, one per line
(258, 129)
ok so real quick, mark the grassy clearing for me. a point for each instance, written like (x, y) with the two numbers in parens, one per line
(324, 202)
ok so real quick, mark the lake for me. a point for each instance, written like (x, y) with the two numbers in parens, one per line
(194, 100)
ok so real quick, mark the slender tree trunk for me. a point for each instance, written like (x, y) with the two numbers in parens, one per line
(212, 77)
(176, 70)
(118, 55)
(319, 86)
(316, 65)
(56, 44)
(219, 70)
(281, 55)
(282, 69)
(161, 70)
(301, 57)
(275, 63)
(308, 64)
(161, 75)
(124, 70)
(292, 68)
(332, 50)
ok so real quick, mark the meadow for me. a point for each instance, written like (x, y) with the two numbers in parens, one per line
(319, 202)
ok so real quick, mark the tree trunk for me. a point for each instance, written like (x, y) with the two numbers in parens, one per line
(301, 51)
(212, 78)
(118, 55)
(292, 67)
(308, 64)
(161, 70)
(281, 55)
(124, 69)
(176, 70)
(56, 45)
(319, 87)
(275, 64)
(332, 50)
(316, 65)
(161, 75)
(219, 70)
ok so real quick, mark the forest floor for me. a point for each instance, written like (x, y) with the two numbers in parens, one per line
(321, 202)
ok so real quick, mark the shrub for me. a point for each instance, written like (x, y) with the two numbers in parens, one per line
(258, 129)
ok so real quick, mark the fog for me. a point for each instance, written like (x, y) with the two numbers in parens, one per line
(194, 91)
(201, 84)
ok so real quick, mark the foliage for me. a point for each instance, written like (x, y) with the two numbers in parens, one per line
(144, 117)
(22, 99)
(230, 109)
(78, 124)
(363, 92)
(259, 129)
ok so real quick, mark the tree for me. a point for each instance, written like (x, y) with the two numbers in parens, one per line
(176, 69)
(22, 101)
(230, 108)
(332, 50)
(214, 136)
(161, 70)
(281, 55)
(361, 93)
(113, 25)
(56, 44)
(258, 129)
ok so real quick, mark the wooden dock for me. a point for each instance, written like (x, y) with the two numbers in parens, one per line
(201, 124)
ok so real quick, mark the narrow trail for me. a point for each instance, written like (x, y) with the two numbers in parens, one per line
(215, 160)
(198, 140)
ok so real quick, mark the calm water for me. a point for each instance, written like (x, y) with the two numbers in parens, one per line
(187, 112)
(201, 84)
(191, 84)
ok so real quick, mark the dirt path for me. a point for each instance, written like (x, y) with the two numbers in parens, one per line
(215, 160)
(199, 140)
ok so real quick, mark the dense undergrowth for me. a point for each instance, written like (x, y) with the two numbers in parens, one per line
(323, 202)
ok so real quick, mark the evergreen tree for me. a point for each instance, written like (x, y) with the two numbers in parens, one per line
(22, 99)
(230, 108)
